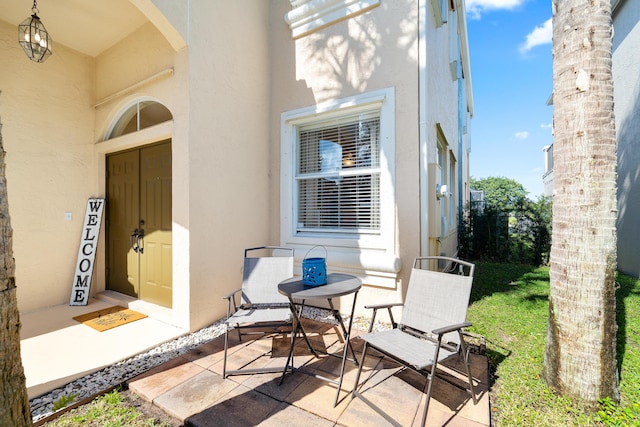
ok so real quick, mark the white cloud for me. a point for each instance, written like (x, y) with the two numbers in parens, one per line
(521, 135)
(539, 36)
(546, 126)
(476, 7)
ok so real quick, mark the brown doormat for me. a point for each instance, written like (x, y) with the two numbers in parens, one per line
(108, 318)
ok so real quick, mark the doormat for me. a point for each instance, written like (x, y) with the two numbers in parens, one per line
(109, 318)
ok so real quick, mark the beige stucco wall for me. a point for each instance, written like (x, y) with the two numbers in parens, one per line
(219, 142)
(48, 136)
(372, 51)
(220, 103)
(227, 91)
(146, 53)
(378, 49)
(229, 147)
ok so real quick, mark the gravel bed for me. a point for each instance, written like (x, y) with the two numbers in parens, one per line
(98, 382)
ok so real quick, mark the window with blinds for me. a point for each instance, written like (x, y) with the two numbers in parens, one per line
(338, 175)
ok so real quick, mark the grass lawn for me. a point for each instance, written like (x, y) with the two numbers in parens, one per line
(115, 409)
(510, 309)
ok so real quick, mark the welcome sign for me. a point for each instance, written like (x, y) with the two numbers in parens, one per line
(87, 252)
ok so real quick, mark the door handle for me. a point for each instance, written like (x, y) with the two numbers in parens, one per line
(140, 241)
(136, 240)
(133, 240)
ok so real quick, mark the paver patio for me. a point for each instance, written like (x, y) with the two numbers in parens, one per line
(191, 387)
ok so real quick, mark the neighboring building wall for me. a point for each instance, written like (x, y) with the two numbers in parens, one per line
(626, 69)
(48, 136)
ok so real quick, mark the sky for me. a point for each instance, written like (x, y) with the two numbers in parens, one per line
(512, 78)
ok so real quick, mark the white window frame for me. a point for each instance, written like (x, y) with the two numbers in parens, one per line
(348, 248)
(442, 172)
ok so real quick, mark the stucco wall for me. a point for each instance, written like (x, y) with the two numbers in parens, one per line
(143, 54)
(227, 92)
(626, 69)
(48, 136)
(229, 147)
(375, 50)
(219, 99)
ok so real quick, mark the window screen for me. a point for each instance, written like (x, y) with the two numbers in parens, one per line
(338, 175)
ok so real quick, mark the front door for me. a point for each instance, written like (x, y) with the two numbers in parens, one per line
(139, 253)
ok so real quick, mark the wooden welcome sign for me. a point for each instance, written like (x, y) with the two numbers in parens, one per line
(87, 252)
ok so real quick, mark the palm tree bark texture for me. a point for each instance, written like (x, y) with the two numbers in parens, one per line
(580, 356)
(14, 401)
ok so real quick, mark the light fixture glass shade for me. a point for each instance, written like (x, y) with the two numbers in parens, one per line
(34, 39)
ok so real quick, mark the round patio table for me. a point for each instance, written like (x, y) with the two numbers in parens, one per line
(337, 285)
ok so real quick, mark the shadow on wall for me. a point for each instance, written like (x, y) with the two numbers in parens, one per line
(353, 58)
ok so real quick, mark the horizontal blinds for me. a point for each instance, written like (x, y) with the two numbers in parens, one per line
(338, 175)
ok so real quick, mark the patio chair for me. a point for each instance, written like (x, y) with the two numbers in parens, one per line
(261, 309)
(431, 326)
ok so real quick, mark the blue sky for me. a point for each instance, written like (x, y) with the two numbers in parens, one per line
(512, 76)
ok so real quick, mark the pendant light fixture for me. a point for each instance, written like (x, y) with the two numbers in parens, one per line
(34, 38)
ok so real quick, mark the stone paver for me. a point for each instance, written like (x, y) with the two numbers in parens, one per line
(195, 395)
(241, 407)
(191, 388)
(288, 415)
(163, 378)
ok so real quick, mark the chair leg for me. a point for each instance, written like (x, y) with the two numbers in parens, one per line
(364, 354)
(432, 376)
(428, 396)
(465, 358)
(226, 345)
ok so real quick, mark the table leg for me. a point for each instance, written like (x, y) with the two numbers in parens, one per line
(298, 327)
(345, 332)
(347, 343)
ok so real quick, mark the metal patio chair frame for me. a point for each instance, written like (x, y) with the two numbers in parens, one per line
(431, 327)
(257, 307)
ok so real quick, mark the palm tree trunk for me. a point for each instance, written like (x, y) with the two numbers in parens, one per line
(580, 357)
(14, 402)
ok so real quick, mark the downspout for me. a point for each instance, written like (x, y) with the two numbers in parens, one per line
(465, 96)
(423, 128)
(461, 110)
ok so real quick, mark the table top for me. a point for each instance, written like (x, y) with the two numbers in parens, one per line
(338, 284)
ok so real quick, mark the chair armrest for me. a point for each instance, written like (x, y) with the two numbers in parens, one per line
(231, 299)
(376, 307)
(232, 294)
(450, 328)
